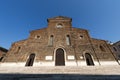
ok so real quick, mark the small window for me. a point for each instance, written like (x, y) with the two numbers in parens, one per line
(114, 49)
(37, 37)
(51, 41)
(119, 46)
(68, 40)
(102, 48)
(81, 36)
(18, 49)
(1, 59)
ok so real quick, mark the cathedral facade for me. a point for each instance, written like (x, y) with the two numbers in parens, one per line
(59, 44)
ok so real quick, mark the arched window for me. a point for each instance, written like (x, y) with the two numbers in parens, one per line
(30, 60)
(51, 40)
(119, 46)
(18, 49)
(1, 58)
(114, 49)
(68, 40)
(102, 48)
(89, 59)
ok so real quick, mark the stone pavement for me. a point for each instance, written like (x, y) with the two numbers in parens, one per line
(61, 73)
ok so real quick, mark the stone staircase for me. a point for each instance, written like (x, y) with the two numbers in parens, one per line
(61, 73)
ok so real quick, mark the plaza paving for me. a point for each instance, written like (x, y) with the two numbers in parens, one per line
(61, 73)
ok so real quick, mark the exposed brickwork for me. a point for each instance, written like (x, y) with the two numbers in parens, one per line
(116, 49)
(80, 43)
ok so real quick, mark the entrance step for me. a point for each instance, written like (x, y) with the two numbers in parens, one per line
(61, 73)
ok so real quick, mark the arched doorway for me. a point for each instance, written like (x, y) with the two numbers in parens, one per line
(59, 58)
(89, 59)
(30, 60)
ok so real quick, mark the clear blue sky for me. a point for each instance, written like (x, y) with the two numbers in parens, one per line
(18, 17)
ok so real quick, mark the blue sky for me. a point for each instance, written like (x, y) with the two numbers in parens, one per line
(18, 17)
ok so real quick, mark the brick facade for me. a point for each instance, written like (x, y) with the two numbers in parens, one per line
(77, 46)
(116, 49)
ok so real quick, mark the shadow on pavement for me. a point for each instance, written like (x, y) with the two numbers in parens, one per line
(57, 77)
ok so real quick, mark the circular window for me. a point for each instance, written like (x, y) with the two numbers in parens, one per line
(37, 37)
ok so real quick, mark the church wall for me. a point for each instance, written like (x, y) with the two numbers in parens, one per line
(104, 55)
(74, 42)
(116, 49)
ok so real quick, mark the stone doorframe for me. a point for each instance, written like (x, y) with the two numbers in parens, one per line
(55, 54)
(91, 57)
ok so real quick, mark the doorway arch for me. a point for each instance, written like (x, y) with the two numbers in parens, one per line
(30, 60)
(89, 60)
(59, 57)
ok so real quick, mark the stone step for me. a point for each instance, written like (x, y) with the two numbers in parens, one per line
(108, 70)
(61, 73)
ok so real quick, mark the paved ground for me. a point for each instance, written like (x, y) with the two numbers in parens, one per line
(61, 73)
(107, 70)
